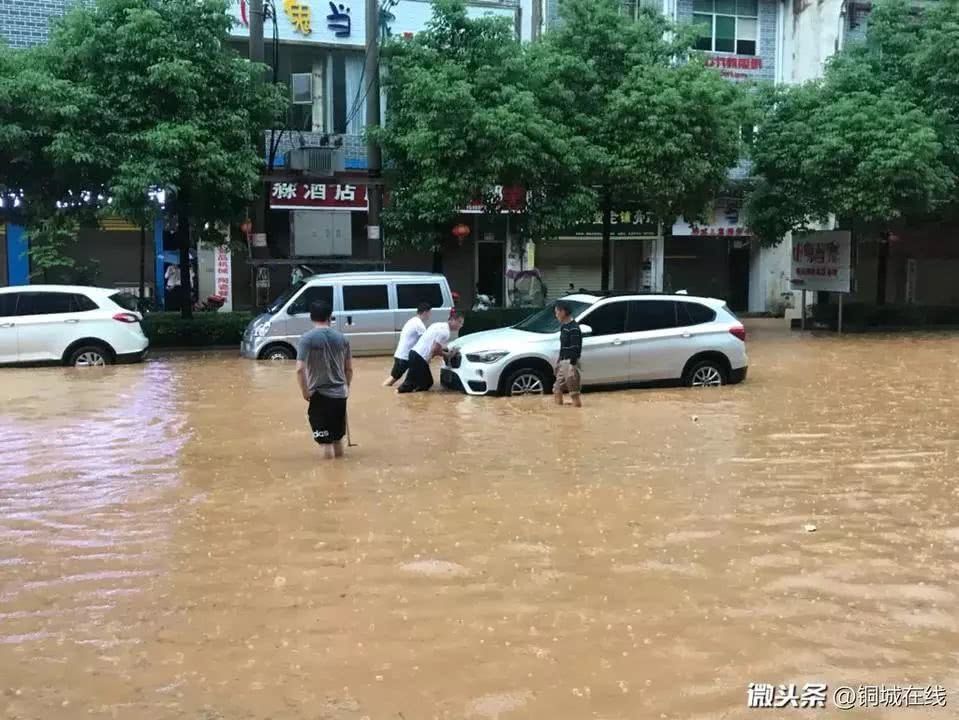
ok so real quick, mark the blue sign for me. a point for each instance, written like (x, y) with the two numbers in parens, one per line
(339, 20)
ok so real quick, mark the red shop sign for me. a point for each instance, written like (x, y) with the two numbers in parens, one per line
(317, 196)
(731, 62)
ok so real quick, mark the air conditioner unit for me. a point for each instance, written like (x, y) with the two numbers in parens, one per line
(317, 160)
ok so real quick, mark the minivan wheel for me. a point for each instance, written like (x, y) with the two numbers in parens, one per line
(525, 381)
(706, 373)
(90, 356)
(277, 352)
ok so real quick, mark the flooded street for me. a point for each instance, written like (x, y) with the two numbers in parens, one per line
(172, 547)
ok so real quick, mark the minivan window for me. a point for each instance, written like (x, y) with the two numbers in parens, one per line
(8, 304)
(310, 295)
(691, 313)
(651, 315)
(608, 319)
(365, 297)
(409, 295)
(545, 320)
(45, 303)
(277, 305)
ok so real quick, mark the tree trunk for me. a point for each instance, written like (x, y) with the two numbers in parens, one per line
(882, 270)
(143, 259)
(183, 244)
(607, 230)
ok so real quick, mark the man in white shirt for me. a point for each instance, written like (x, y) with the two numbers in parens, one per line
(430, 345)
(412, 331)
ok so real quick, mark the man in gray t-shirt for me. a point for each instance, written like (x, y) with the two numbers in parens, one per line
(324, 371)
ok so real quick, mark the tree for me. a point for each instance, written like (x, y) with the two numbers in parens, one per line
(874, 141)
(175, 109)
(661, 129)
(461, 119)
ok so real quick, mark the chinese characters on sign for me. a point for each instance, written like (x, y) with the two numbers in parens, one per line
(722, 221)
(339, 20)
(844, 697)
(303, 196)
(299, 16)
(820, 261)
(223, 276)
(719, 231)
(509, 199)
(734, 67)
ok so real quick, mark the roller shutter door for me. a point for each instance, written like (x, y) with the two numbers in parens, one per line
(564, 261)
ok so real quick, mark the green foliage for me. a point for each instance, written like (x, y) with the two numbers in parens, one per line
(875, 139)
(205, 329)
(50, 240)
(462, 120)
(661, 130)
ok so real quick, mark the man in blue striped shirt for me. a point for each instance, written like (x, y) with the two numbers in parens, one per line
(570, 349)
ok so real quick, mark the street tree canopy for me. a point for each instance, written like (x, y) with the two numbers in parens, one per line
(875, 139)
(661, 129)
(133, 96)
(461, 120)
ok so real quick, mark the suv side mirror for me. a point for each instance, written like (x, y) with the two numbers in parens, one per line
(585, 330)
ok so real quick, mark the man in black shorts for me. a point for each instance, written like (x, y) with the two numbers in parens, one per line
(324, 371)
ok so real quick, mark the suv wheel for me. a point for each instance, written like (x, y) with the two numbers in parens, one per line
(525, 381)
(90, 356)
(706, 373)
(277, 352)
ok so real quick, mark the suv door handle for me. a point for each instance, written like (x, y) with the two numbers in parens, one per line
(349, 319)
(71, 321)
(6, 325)
(618, 341)
(687, 335)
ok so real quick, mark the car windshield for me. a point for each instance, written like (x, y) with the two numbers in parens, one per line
(545, 320)
(275, 307)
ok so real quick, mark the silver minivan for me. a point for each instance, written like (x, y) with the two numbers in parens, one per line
(370, 308)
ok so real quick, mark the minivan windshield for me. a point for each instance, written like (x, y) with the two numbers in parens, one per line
(545, 320)
(275, 307)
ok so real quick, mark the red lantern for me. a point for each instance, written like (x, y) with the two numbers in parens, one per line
(460, 232)
(246, 227)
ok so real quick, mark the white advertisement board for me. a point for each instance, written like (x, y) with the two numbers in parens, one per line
(343, 22)
(821, 261)
(223, 276)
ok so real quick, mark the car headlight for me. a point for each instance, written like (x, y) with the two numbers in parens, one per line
(263, 329)
(487, 356)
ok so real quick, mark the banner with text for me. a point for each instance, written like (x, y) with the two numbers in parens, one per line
(821, 261)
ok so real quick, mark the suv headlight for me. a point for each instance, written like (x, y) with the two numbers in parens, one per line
(262, 329)
(487, 356)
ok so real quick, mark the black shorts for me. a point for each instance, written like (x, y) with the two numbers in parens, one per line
(419, 378)
(327, 418)
(399, 367)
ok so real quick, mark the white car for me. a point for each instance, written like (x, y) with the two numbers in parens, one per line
(70, 325)
(627, 339)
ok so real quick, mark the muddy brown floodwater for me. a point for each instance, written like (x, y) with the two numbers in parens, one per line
(172, 548)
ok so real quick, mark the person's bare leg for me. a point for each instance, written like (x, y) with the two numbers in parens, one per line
(389, 381)
(338, 449)
(558, 396)
(328, 452)
(576, 401)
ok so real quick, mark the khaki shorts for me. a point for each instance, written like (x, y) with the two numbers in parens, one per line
(567, 378)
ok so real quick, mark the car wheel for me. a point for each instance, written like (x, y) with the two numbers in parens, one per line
(277, 352)
(90, 356)
(706, 373)
(525, 381)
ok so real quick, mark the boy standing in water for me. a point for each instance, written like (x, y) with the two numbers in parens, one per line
(412, 331)
(324, 371)
(570, 350)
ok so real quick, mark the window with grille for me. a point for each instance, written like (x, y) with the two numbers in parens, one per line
(727, 26)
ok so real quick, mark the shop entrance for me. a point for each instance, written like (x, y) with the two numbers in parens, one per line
(491, 271)
(739, 259)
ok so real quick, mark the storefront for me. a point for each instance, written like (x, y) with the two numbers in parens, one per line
(712, 259)
(573, 261)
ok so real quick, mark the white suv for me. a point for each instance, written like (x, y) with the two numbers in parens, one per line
(627, 339)
(67, 324)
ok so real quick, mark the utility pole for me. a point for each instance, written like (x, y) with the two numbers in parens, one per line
(257, 54)
(374, 158)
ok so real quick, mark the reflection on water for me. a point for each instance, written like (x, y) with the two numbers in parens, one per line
(170, 546)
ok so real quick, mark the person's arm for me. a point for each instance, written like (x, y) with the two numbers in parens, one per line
(301, 353)
(575, 344)
(348, 366)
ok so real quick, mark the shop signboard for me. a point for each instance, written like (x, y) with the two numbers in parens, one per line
(341, 22)
(821, 261)
(725, 220)
(317, 196)
(623, 224)
(223, 276)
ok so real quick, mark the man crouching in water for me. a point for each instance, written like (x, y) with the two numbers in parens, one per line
(324, 371)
